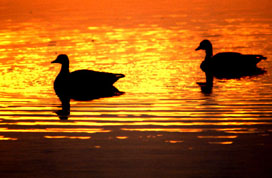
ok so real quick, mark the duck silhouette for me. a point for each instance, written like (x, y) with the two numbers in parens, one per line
(229, 64)
(82, 85)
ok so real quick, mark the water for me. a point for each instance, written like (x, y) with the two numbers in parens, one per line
(163, 110)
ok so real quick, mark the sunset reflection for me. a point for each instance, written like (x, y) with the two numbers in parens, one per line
(221, 143)
(164, 124)
(163, 130)
(225, 136)
(136, 123)
(7, 138)
(173, 141)
(67, 137)
(121, 137)
(57, 130)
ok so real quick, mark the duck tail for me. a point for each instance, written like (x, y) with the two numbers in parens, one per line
(261, 57)
(119, 75)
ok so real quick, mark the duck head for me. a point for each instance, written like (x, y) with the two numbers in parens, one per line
(204, 45)
(207, 46)
(62, 59)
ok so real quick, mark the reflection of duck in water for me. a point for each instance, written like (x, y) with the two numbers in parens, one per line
(82, 84)
(227, 64)
(65, 100)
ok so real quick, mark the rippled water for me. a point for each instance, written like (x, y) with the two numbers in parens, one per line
(153, 45)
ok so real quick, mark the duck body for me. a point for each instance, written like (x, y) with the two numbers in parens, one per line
(229, 64)
(83, 84)
(94, 78)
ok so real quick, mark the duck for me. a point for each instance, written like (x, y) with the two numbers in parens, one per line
(229, 64)
(83, 84)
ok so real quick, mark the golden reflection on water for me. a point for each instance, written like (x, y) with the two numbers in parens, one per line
(154, 48)
(121, 137)
(221, 143)
(162, 130)
(57, 130)
(174, 141)
(67, 137)
(6, 138)
(148, 46)
(75, 123)
(223, 136)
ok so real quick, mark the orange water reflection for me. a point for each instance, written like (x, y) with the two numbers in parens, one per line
(7, 138)
(163, 130)
(174, 141)
(222, 143)
(57, 130)
(67, 137)
(139, 123)
(153, 47)
(121, 137)
(223, 136)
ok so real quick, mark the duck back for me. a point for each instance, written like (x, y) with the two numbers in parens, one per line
(237, 60)
(94, 78)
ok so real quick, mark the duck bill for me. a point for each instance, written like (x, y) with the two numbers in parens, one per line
(198, 48)
(55, 61)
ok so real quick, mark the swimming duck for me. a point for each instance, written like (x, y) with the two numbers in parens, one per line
(229, 64)
(83, 84)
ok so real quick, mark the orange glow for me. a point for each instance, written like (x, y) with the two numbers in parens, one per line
(7, 138)
(174, 141)
(151, 42)
(78, 123)
(121, 137)
(67, 137)
(59, 130)
(163, 130)
(221, 143)
(224, 136)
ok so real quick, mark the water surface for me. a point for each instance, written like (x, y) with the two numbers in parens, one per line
(153, 44)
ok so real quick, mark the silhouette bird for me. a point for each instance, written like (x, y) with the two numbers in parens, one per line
(82, 83)
(229, 64)
(226, 65)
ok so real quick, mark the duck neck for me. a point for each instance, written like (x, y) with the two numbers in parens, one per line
(209, 53)
(64, 69)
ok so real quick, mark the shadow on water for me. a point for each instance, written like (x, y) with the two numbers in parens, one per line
(92, 94)
(207, 87)
(82, 85)
(227, 65)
